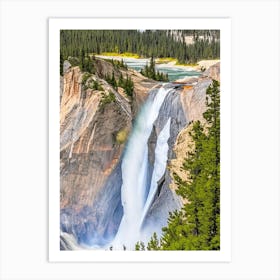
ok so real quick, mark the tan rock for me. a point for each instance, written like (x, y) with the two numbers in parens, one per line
(89, 150)
(214, 72)
(193, 101)
(182, 146)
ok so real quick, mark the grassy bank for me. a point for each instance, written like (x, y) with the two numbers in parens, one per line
(126, 54)
(187, 64)
(164, 60)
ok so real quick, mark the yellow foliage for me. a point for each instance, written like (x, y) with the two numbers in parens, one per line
(122, 136)
(126, 54)
(187, 64)
(165, 60)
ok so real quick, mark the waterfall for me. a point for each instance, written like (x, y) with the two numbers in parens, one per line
(135, 171)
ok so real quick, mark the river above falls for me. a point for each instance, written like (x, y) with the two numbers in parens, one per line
(174, 72)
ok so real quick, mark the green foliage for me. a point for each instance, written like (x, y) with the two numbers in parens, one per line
(111, 80)
(160, 43)
(140, 246)
(153, 243)
(121, 81)
(137, 246)
(74, 61)
(118, 64)
(127, 84)
(150, 72)
(197, 225)
(61, 65)
(85, 77)
(85, 62)
(107, 99)
(95, 85)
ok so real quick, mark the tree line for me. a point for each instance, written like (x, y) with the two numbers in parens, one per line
(147, 43)
(196, 226)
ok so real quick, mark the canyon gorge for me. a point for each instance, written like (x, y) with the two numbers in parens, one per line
(118, 153)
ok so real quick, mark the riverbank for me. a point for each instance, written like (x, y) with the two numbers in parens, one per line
(202, 64)
(165, 63)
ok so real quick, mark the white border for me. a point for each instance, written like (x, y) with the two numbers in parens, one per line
(55, 255)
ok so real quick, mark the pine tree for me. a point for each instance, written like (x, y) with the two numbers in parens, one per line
(121, 82)
(82, 59)
(137, 246)
(154, 243)
(61, 64)
(128, 86)
(113, 81)
(152, 68)
(150, 72)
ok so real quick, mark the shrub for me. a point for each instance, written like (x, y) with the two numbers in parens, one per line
(107, 99)
(85, 77)
(95, 85)
(122, 136)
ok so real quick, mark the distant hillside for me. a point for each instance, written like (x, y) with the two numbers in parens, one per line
(191, 36)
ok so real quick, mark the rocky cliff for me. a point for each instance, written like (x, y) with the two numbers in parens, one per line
(214, 71)
(184, 104)
(193, 102)
(94, 127)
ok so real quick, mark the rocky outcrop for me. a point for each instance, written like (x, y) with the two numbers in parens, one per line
(182, 146)
(142, 86)
(90, 149)
(214, 72)
(193, 97)
(193, 102)
(184, 105)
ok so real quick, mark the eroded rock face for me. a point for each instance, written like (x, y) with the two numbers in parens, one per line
(142, 86)
(193, 102)
(90, 155)
(89, 151)
(214, 72)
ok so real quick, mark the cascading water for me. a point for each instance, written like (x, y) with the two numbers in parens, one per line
(135, 166)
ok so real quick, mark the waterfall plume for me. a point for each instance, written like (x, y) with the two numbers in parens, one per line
(136, 185)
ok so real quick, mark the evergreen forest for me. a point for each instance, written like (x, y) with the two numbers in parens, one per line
(146, 43)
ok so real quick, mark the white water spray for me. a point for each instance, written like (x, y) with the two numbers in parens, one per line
(135, 172)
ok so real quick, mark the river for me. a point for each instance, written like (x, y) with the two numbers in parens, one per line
(174, 72)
